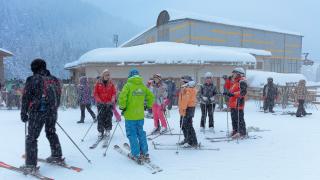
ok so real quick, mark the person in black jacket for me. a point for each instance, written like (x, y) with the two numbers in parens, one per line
(40, 102)
(270, 94)
(171, 86)
(206, 96)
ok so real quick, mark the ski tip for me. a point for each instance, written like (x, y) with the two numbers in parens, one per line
(77, 169)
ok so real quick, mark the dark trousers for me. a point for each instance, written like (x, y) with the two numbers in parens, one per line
(301, 111)
(83, 107)
(188, 130)
(207, 110)
(237, 117)
(171, 101)
(268, 104)
(104, 117)
(36, 122)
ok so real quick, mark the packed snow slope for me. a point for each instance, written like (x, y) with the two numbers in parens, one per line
(290, 150)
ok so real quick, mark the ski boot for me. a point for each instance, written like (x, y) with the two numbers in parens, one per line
(211, 129)
(30, 169)
(202, 129)
(155, 131)
(146, 157)
(164, 130)
(182, 142)
(55, 160)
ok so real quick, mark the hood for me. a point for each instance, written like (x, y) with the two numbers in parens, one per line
(136, 79)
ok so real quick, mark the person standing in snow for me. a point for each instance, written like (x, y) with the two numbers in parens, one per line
(226, 87)
(187, 102)
(270, 94)
(159, 91)
(84, 98)
(237, 93)
(300, 95)
(206, 96)
(131, 102)
(40, 102)
(171, 86)
(105, 96)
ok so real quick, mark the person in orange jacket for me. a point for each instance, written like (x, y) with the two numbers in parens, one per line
(237, 93)
(187, 102)
(105, 96)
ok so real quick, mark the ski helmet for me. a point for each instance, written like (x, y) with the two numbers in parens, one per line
(238, 70)
(208, 75)
(158, 76)
(186, 78)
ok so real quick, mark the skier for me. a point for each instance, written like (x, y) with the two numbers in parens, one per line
(171, 86)
(206, 96)
(40, 103)
(160, 93)
(270, 94)
(84, 98)
(237, 93)
(105, 96)
(187, 102)
(300, 96)
(131, 102)
(226, 87)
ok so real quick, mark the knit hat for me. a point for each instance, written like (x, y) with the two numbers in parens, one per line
(208, 75)
(133, 72)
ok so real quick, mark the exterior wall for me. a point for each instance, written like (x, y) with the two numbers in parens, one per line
(1, 70)
(285, 48)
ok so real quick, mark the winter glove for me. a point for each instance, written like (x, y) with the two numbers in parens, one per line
(205, 99)
(24, 117)
(123, 110)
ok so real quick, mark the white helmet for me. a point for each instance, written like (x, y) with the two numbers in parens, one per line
(238, 70)
(208, 74)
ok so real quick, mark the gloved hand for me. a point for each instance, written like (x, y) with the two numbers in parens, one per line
(123, 110)
(24, 117)
(204, 99)
(229, 94)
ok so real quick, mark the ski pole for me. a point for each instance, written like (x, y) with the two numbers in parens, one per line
(238, 128)
(25, 136)
(182, 117)
(105, 152)
(121, 130)
(89, 161)
(87, 131)
(167, 122)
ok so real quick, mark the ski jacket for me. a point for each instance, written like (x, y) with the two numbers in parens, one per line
(171, 87)
(105, 93)
(227, 84)
(132, 98)
(301, 91)
(270, 91)
(206, 93)
(237, 101)
(160, 93)
(187, 98)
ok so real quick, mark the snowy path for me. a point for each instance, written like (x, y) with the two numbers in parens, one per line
(289, 151)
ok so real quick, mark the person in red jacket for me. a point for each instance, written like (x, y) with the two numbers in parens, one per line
(237, 93)
(226, 87)
(105, 95)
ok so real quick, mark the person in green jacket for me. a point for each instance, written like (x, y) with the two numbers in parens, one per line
(131, 102)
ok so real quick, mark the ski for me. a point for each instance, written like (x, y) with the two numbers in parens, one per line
(22, 171)
(154, 166)
(162, 134)
(233, 139)
(158, 146)
(63, 165)
(93, 146)
(129, 156)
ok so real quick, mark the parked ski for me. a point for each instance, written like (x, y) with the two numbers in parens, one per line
(129, 156)
(159, 146)
(93, 146)
(154, 166)
(22, 171)
(106, 142)
(63, 165)
(232, 139)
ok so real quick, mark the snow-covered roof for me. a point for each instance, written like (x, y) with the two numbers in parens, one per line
(6, 52)
(259, 78)
(169, 53)
(176, 14)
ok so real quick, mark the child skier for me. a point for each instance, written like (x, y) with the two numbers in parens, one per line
(131, 102)
(187, 103)
(84, 98)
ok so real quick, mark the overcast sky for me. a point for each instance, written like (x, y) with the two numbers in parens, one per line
(292, 15)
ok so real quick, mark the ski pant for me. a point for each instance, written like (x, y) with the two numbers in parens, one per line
(137, 137)
(104, 117)
(207, 110)
(83, 107)
(158, 114)
(301, 111)
(36, 122)
(268, 104)
(187, 127)
(237, 117)
(171, 101)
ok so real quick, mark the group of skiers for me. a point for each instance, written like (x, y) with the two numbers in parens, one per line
(42, 94)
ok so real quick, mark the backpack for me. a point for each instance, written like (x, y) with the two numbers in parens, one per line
(51, 93)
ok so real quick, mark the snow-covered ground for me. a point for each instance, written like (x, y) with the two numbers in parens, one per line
(289, 151)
